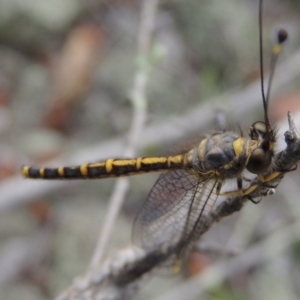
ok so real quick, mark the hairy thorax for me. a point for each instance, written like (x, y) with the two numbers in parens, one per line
(224, 154)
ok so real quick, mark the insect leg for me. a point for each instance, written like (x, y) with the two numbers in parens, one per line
(269, 177)
(219, 187)
(240, 191)
(275, 174)
(239, 183)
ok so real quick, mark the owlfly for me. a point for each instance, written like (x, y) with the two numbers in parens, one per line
(192, 181)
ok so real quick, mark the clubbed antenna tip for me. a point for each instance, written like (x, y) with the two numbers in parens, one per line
(282, 36)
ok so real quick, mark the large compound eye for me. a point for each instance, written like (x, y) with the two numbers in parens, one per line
(258, 130)
(259, 161)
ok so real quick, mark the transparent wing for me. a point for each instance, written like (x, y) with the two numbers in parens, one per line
(172, 211)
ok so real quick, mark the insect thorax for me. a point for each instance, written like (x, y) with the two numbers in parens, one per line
(224, 153)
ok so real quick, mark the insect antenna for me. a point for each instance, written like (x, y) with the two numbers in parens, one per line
(261, 157)
(281, 37)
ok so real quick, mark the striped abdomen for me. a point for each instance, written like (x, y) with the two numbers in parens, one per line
(221, 154)
(109, 168)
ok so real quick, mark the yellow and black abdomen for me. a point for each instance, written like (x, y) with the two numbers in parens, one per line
(108, 168)
(222, 154)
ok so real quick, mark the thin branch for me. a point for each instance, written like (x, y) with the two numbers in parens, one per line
(261, 253)
(139, 102)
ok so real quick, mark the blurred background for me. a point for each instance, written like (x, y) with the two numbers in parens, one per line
(67, 79)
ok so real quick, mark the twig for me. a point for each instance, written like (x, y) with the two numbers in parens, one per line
(139, 103)
(256, 255)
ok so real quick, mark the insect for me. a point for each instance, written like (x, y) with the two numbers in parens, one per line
(193, 180)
